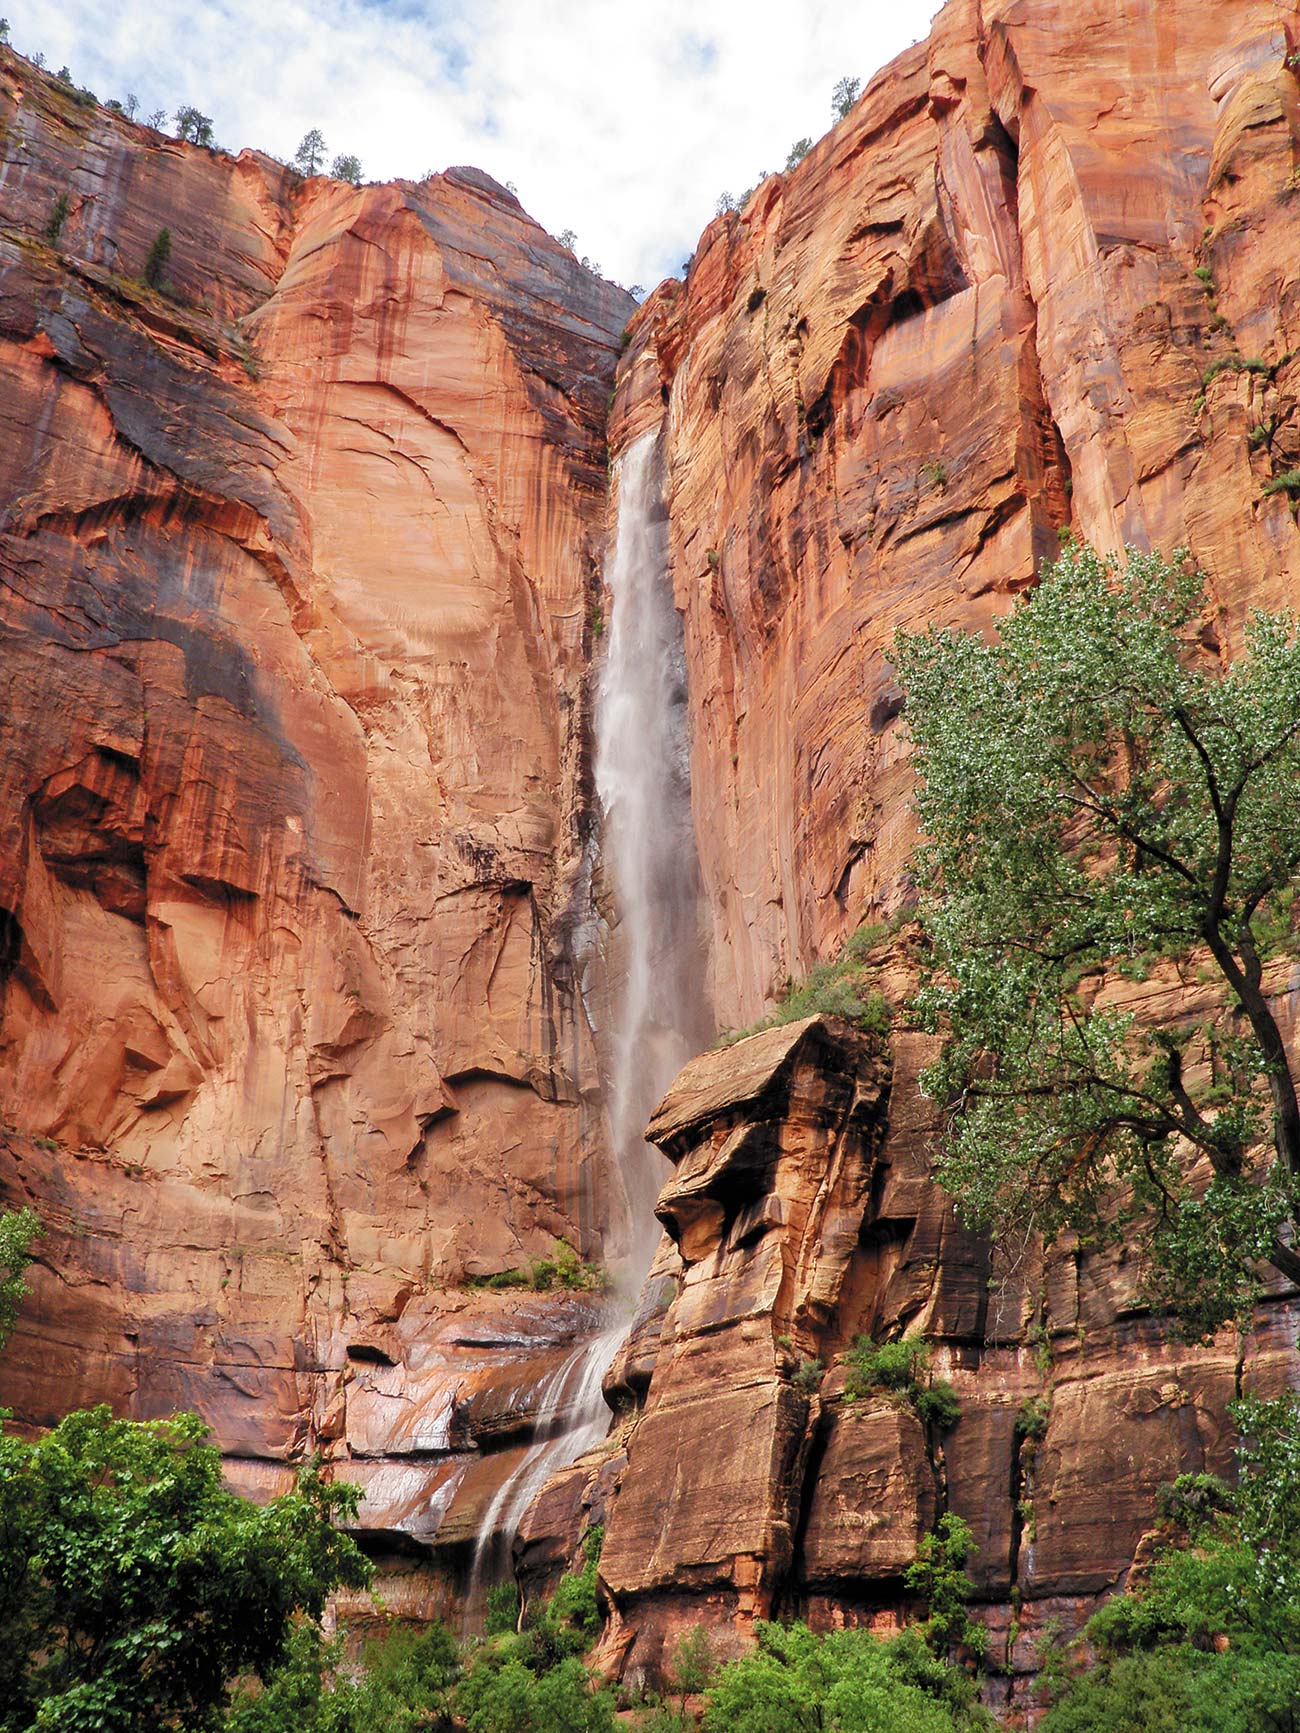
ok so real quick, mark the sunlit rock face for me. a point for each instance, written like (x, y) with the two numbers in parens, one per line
(298, 580)
(295, 575)
(971, 318)
(1045, 277)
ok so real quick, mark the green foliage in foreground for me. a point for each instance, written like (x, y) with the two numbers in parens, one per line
(401, 1683)
(842, 988)
(533, 1681)
(18, 1230)
(901, 1370)
(134, 1588)
(1097, 793)
(1211, 1642)
(851, 1681)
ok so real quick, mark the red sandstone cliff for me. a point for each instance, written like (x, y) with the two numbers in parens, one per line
(295, 580)
(1045, 275)
(296, 562)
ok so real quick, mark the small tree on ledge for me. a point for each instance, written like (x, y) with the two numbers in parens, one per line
(1098, 793)
(310, 154)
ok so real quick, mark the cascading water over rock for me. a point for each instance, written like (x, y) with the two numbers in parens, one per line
(643, 779)
(660, 1015)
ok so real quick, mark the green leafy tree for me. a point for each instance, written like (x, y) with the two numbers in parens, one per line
(798, 151)
(1097, 791)
(19, 1229)
(400, 1682)
(193, 126)
(310, 154)
(844, 96)
(134, 1588)
(4, 30)
(795, 1682)
(347, 168)
(533, 1681)
(938, 1576)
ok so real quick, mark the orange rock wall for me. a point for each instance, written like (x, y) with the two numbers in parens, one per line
(296, 561)
(970, 318)
(1045, 276)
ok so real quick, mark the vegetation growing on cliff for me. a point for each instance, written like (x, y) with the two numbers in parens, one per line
(563, 1269)
(1098, 793)
(19, 1230)
(1209, 1642)
(845, 987)
(901, 1371)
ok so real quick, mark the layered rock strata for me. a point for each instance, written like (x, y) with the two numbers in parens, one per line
(297, 552)
(750, 1484)
(1045, 277)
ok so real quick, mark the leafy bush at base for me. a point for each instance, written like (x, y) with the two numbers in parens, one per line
(1210, 1642)
(533, 1681)
(134, 1588)
(795, 1682)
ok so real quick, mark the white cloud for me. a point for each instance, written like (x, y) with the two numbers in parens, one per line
(621, 121)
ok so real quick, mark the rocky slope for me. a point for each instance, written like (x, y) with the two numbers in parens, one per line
(298, 565)
(296, 560)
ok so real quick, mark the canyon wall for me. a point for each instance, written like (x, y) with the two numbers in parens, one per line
(1044, 277)
(298, 935)
(297, 559)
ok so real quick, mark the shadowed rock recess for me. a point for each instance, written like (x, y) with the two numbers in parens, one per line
(302, 921)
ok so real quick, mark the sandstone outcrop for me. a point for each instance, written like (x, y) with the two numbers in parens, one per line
(296, 558)
(750, 1484)
(298, 576)
(1044, 277)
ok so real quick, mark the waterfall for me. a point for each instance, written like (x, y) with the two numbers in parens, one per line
(573, 1390)
(643, 779)
(660, 1015)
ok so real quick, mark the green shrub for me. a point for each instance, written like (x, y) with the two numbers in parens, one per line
(18, 1230)
(937, 1405)
(890, 1366)
(56, 219)
(1210, 1642)
(849, 1681)
(563, 1269)
(533, 1681)
(1031, 1418)
(502, 1609)
(146, 1587)
(807, 1375)
(843, 988)
(1287, 482)
(160, 253)
(938, 1576)
(901, 1370)
(1193, 1499)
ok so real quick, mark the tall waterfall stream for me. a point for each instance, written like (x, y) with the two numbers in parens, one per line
(660, 1013)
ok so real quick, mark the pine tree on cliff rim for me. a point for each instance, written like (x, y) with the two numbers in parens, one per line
(1098, 794)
